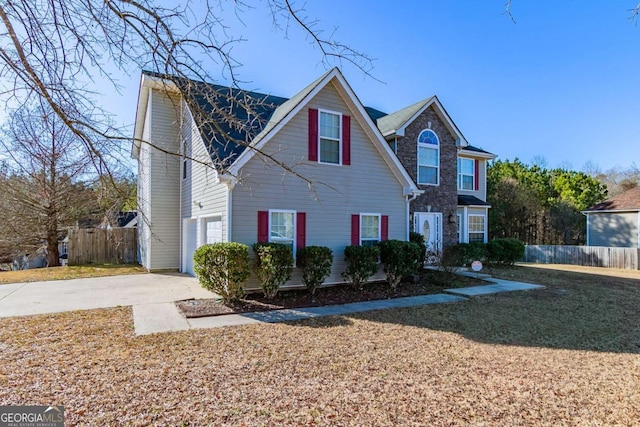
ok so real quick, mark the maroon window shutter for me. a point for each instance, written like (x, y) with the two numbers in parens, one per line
(355, 230)
(476, 175)
(384, 227)
(313, 135)
(263, 226)
(301, 230)
(346, 140)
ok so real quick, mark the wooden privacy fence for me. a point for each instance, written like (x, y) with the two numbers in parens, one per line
(593, 256)
(103, 246)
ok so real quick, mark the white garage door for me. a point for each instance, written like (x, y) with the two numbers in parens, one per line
(190, 245)
(213, 230)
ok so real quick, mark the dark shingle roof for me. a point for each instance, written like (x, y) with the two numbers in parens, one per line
(476, 149)
(627, 201)
(466, 200)
(228, 119)
(374, 113)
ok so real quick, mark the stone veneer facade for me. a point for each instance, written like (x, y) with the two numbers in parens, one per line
(442, 198)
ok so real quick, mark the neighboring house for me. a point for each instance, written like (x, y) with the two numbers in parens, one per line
(122, 219)
(451, 173)
(360, 192)
(616, 221)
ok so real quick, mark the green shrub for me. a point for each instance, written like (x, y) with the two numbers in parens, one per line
(455, 256)
(223, 268)
(362, 263)
(272, 265)
(315, 262)
(476, 251)
(418, 239)
(505, 251)
(400, 259)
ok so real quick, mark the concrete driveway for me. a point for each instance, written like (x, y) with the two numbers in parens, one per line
(22, 299)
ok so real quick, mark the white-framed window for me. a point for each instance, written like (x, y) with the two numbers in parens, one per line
(185, 165)
(282, 227)
(428, 158)
(466, 173)
(369, 229)
(459, 228)
(477, 228)
(330, 134)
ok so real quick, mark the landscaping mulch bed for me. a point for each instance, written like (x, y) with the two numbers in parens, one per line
(431, 282)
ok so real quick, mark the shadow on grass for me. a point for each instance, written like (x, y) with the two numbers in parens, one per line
(576, 311)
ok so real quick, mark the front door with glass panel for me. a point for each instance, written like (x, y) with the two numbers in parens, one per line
(429, 224)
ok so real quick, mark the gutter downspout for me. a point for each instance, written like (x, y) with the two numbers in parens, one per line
(230, 182)
(410, 198)
(180, 172)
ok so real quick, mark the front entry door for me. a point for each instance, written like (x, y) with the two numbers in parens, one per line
(429, 224)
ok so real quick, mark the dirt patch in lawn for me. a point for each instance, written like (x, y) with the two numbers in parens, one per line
(430, 282)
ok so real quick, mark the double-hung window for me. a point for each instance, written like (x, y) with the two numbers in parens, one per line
(466, 173)
(369, 229)
(428, 158)
(330, 145)
(282, 227)
(477, 230)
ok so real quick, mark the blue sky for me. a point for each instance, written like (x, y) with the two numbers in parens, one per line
(561, 83)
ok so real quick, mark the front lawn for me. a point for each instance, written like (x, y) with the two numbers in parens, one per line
(68, 272)
(565, 355)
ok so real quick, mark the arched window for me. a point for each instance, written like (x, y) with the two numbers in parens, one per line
(428, 158)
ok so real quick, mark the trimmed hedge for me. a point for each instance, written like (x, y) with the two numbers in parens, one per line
(418, 239)
(362, 263)
(315, 262)
(273, 265)
(223, 268)
(400, 259)
(505, 251)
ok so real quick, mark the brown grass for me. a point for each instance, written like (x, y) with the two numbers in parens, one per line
(566, 355)
(68, 272)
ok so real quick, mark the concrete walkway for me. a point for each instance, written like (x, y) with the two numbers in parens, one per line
(166, 317)
(23, 299)
(152, 298)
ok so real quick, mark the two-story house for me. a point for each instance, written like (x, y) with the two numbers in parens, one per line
(315, 169)
(304, 178)
(450, 172)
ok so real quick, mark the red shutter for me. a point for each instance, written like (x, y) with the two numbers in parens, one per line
(313, 135)
(355, 230)
(301, 230)
(476, 175)
(346, 140)
(384, 227)
(263, 226)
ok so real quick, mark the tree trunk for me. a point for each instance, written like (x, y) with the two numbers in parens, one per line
(53, 255)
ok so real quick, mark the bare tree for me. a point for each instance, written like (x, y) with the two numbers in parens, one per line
(56, 49)
(43, 188)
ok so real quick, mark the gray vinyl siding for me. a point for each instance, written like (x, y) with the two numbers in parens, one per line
(613, 229)
(481, 193)
(144, 233)
(203, 196)
(164, 190)
(337, 192)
